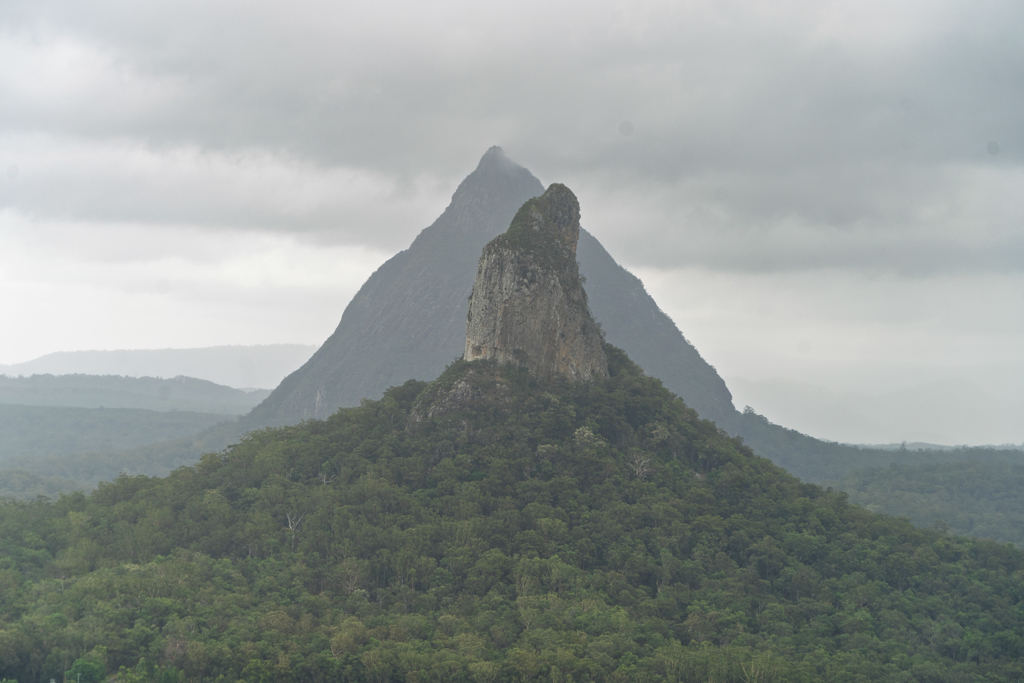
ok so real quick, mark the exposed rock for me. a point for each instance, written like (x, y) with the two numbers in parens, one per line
(528, 306)
(470, 391)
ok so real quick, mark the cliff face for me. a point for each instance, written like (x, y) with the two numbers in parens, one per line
(528, 305)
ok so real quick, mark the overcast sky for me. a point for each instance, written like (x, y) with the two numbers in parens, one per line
(823, 191)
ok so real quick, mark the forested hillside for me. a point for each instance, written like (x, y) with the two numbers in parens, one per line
(974, 497)
(31, 432)
(70, 432)
(112, 391)
(47, 450)
(488, 527)
(24, 478)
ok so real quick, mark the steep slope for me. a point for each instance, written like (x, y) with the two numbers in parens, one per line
(541, 531)
(528, 305)
(633, 322)
(407, 321)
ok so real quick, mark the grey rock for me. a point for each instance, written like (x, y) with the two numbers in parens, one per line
(528, 305)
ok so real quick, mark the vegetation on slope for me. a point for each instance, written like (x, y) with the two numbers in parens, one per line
(826, 462)
(46, 449)
(972, 498)
(489, 528)
(29, 432)
(112, 391)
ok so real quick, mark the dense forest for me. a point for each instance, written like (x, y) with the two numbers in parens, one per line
(50, 450)
(825, 462)
(487, 527)
(30, 432)
(112, 391)
(972, 498)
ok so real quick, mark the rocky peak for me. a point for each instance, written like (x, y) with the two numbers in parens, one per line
(485, 192)
(528, 304)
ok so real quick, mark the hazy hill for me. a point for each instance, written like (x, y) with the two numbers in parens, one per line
(49, 450)
(30, 432)
(950, 411)
(409, 320)
(261, 367)
(69, 432)
(538, 531)
(109, 391)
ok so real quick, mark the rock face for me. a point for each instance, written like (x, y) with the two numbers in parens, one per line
(528, 306)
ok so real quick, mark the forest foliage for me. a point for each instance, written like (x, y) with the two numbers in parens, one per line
(487, 527)
(29, 432)
(49, 450)
(976, 498)
(826, 462)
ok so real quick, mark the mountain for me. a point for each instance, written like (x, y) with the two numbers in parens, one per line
(543, 530)
(505, 522)
(258, 367)
(407, 321)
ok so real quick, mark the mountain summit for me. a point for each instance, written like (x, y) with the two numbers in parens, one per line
(408, 319)
(528, 305)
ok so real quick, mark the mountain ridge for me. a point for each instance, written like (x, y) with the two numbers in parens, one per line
(407, 320)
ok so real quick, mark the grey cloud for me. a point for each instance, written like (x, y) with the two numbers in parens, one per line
(840, 134)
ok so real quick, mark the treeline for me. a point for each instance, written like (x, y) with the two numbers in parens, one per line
(488, 528)
(112, 391)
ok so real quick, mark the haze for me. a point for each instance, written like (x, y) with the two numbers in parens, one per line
(818, 193)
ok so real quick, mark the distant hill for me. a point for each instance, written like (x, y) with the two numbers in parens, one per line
(49, 450)
(950, 411)
(249, 367)
(108, 391)
(32, 432)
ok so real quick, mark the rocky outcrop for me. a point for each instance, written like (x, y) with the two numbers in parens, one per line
(528, 306)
